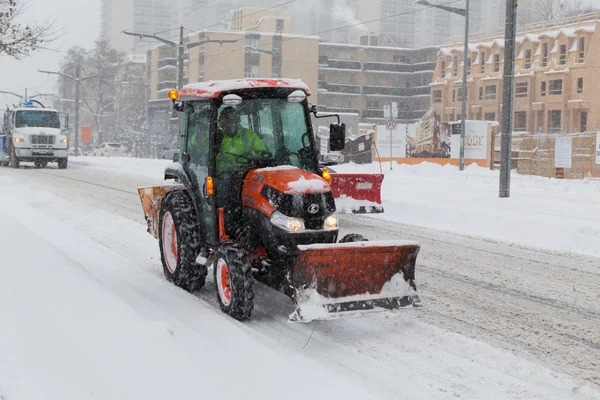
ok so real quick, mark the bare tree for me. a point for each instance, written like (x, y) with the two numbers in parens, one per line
(551, 10)
(17, 40)
(102, 92)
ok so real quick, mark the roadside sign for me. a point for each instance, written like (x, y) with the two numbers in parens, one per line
(390, 124)
(386, 111)
(563, 149)
(394, 110)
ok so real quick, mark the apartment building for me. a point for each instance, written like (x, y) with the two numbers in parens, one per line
(142, 16)
(260, 45)
(555, 88)
(363, 78)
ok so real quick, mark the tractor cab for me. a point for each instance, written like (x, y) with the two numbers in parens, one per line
(228, 132)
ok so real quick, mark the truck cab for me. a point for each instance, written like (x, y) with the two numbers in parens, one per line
(34, 134)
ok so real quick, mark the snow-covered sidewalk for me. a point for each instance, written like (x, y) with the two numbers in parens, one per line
(557, 215)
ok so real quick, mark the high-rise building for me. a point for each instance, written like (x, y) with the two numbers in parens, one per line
(141, 16)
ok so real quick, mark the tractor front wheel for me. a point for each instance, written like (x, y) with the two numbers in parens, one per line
(234, 281)
(179, 240)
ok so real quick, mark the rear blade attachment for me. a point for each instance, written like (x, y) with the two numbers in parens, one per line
(334, 280)
(151, 197)
(357, 193)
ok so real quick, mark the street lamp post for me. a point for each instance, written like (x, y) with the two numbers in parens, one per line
(465, 13)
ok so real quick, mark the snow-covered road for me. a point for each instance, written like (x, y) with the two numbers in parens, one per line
(498, 322)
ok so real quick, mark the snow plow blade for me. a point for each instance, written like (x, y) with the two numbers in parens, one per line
(334, 280)
(357, 193)
(151, 197)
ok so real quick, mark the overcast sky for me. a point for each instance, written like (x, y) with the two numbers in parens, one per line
(81, 20)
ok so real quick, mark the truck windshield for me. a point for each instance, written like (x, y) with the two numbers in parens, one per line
(37, 119)
(275, 127)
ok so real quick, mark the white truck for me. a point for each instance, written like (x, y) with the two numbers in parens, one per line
(33, 133)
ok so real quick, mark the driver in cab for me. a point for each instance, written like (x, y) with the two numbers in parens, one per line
(237, 143)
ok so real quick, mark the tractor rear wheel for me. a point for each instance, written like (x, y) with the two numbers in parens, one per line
(179, 241)
(234, 281)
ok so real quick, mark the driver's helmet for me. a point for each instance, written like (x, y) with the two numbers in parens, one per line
(229, 120)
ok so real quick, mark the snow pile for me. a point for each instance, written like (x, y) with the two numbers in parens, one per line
(559, 215)
(303, 185)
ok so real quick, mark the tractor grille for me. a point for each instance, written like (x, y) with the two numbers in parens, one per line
(42, 139)
(313, 208)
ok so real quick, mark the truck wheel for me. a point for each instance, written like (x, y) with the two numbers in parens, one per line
(234, 281)
(179, 241)
(13, 160)
(353, 237)
(62, 164)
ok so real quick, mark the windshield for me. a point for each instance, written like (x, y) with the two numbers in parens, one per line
(265, 129)
(37, 119)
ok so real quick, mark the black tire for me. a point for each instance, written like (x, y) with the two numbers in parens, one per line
(186, 273)
(239, 281)
(62, 164)
(13, 160)
(353, 237)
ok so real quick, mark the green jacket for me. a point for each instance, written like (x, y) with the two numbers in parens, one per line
(244, 141)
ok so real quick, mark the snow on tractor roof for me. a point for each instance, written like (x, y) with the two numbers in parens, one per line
(213, 89)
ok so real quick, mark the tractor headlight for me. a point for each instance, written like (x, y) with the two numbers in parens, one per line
(292, 225)
(330, 223)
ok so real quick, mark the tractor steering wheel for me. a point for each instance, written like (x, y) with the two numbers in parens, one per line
(253, 155)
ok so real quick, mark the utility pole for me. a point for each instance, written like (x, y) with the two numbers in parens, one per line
(507, 97)
(77, 79)
(180, 60)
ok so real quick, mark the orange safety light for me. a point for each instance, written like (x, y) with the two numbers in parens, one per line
(173, 94)
(209, 185)
(326, 175)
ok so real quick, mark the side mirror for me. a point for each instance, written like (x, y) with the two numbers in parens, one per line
(337, 137)
(176, 156)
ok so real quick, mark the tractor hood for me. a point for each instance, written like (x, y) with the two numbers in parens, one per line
(292, 191)
(291, 180)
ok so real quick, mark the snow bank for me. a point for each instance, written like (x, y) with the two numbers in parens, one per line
(559, 215)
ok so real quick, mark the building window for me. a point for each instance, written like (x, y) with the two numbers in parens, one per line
(345, 55)
(490, 92)
(490, 116)
(544, 54)
(554, 121)
(481, 93)
(279, 26)
(583, 122)
(455, 63)
(252, 46)
(579, 85)
(562, 59)
(482, 62)
(496, 62)
(527, 59)
(543, 88)
(443, 69)
(581, 50)
(520, 121)
(251, 71)
(375, 105)
(457, 96)
(555, 87)
(521, 89)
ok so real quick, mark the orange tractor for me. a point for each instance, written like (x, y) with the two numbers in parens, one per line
(266, 213)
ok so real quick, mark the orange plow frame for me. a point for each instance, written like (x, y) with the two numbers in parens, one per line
(335, 279)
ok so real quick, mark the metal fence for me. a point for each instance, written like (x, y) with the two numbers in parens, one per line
(535, 154)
